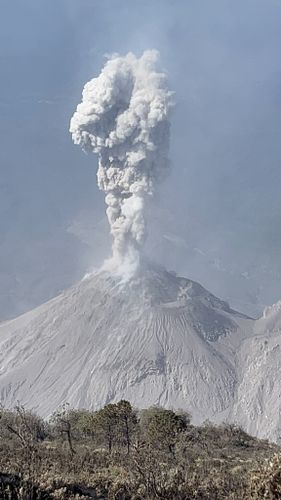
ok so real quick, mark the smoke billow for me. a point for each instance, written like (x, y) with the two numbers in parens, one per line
(124, 118)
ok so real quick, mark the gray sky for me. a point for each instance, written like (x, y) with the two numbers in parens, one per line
(217, 219)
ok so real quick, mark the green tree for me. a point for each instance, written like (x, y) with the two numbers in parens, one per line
(116, 423)
(106, 421)
(127, 422)
(81, 423)
(163, 426)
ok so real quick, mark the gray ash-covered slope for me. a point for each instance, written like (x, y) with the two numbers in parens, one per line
(258, 402)
(158, 339)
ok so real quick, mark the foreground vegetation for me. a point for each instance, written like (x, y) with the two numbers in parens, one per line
(120, 453)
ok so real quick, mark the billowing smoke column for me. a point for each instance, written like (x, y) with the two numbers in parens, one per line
(124, 118)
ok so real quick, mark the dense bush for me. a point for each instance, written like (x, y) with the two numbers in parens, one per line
(121, 453)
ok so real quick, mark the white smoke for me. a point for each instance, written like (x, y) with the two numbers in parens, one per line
(124, 118)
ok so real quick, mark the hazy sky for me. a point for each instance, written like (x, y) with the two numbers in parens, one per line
(217, 219)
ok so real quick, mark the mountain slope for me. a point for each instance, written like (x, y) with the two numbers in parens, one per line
(258, 402)
(158, 339)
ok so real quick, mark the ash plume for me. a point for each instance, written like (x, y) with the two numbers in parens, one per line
(124, 118)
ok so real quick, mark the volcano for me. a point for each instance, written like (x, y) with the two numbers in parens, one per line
(156, 339)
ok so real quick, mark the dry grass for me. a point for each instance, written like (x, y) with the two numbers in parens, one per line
(206, 462)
